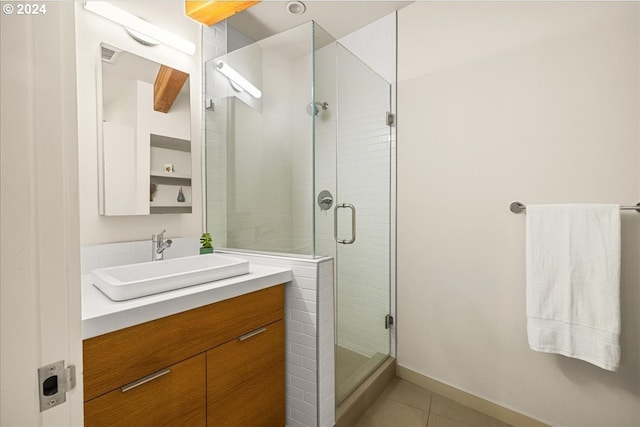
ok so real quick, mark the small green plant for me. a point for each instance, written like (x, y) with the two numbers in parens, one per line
(205, 240)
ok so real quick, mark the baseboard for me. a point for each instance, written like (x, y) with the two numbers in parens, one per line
(494, 410)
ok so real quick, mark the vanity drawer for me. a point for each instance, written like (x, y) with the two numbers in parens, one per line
(120, 357)
(175, 397)
(247, 380)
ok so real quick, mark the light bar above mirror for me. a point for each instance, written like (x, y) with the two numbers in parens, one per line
(132, 22)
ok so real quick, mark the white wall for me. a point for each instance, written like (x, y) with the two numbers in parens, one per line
(91, 30)
(375, 45)
(502, 102)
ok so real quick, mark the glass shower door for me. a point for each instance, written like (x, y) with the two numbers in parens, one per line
(362, 221)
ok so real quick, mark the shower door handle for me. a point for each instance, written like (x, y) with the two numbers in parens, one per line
(353, 223)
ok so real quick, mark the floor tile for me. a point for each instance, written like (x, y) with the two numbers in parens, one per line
(410, 394)
(454, 411)
(389, 413)
(404, 404)
(438, 421)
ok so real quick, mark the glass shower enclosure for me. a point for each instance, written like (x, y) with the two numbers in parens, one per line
(299, 162)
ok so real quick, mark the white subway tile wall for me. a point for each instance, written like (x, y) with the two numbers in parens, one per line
(326, 345)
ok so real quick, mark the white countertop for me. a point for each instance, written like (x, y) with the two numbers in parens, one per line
(100, 315)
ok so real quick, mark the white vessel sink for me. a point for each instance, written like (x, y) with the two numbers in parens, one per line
(137, 280)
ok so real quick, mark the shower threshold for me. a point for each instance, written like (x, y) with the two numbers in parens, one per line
(351, 408)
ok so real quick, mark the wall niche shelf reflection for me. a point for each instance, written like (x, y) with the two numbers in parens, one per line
(139, 148)
(175, 152)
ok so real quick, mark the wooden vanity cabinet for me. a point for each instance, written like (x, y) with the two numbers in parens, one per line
(175, 398)
(217, 365)
(245, 375)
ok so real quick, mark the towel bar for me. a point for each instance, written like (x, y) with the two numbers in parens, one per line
(517, 207)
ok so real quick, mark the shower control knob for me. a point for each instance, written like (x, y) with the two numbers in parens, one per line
(314, 108)
(325, 200)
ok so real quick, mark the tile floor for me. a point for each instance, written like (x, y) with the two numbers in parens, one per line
(403, 404)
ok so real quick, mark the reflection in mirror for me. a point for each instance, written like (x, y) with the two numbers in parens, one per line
(145, 144)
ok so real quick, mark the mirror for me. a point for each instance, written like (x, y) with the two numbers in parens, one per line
(144, 132)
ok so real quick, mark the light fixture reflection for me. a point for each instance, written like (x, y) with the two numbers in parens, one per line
(237, 78)
(119, 16)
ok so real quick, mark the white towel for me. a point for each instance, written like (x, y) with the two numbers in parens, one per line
(573, 281)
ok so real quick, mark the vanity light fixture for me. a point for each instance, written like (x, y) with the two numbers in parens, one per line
(237, 78)
(132, 22)
(141, 38)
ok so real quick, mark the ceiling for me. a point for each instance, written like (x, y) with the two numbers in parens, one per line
(339, 18)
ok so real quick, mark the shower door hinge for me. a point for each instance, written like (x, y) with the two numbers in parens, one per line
(388, 321)
(391, 119)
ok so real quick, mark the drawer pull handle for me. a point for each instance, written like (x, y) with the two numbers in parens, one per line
(144, 380)
(252, 334)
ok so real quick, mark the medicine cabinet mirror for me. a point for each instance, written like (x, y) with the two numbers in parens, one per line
(144, 128)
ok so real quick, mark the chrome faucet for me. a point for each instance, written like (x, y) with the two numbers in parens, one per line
(158, 245)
